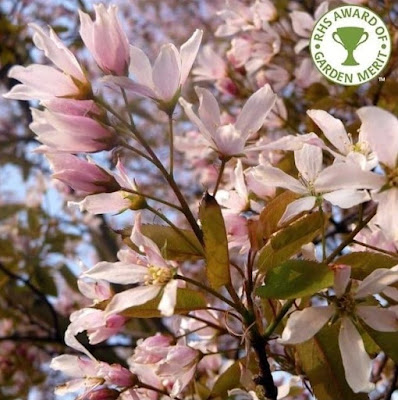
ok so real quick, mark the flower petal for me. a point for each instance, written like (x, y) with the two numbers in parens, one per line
(209, 111)
(356, 362)
(169, 299)
(188, 52)
(303, 325)
(140, 67)
(309, 161)
(379, 128)
(131, 298)
(342, 275)
(377, 281)
(166, 72)
(254, 112)
(347, 198)
(271, 176)
(380, 319)
(296, 207)
(333, 129)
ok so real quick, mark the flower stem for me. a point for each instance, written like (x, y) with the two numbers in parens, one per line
(171, 144)
(274, 324)
(323, 232)
(220, 174)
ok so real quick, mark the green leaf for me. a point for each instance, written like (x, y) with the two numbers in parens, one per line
(289, 241)
(216, 243)
(296, 278)
(69, 277)
(9, 210)
(272, 213)
(187, 300)
(320, 360)
(387, 341)
(228, 380)
(365, 262)
(165, 237)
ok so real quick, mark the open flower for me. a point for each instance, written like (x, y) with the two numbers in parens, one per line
(359, 153)
(229, 140)
(164, 80)
(106, 39)
(43, 82)
(152, 274)
(380, 129)
(347, 307)
(338, 184)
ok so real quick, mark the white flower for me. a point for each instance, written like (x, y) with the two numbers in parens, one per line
(304, 324)
(339, 184)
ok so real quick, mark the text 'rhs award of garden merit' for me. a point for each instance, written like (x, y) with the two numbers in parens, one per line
(350, 45)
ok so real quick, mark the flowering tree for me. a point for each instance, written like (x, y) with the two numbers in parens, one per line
(257, 242)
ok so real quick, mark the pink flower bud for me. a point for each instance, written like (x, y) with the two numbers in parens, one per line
(102, 394)
(81, 175)
(106, 40)
(120, 376)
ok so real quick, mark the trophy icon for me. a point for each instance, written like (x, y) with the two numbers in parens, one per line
(350, 37)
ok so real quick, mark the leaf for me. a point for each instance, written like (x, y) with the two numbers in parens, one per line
(272, 213)
(289, 241)
(365, 262)
(295, 279)
(187, 300)
(69, 277)
(165, 237)
(216, 243)
(9, 210)
(320, 359)
(228, 380)
(387, 341)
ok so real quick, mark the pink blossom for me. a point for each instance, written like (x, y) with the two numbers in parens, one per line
(106, 39)
(81, 175)
(153, 274)
(229, 140)
(43, 82)
(71, 132)
(164, 80)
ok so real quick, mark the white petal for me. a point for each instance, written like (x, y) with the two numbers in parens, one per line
(188, 52)
(169, 299)
(209, 112)
(140, 67)
(333, 129)
(387, 212)
(296, 207)
(309, 161)
(347, 198)
(303, 325)
(379, 128)
(343, 176)
(271, 176)
(118, 272)
(103, 203)
(228, 140)
(356, 362)
(254, 112)
(342, 275)
(377, 281)
(166, 72)
(131, 298)
(380, 319)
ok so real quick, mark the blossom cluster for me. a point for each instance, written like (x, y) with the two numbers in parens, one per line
(230, 273)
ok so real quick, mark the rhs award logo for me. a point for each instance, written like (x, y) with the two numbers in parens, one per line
(350, 45)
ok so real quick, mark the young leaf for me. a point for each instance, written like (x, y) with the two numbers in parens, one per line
(320, 360)
(289, 241)
(296, 278)
(228, 380)
(176, 248)
(273, 211)
(187, 300)
(387, 341)
(365, 262)
(216, 243)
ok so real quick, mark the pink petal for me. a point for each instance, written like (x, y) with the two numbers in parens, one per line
(377, 281)
(140, 67)
(188, 52)
(379, 128)
(342, 275)
(166, 73)
(309, 161)
(255, 111)
(209, 112)
(103, 203)
(169, 299)
(380, 319)
(347, 198)
(296, 207)
(356, 362)
(333, 129)
(303, 325)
